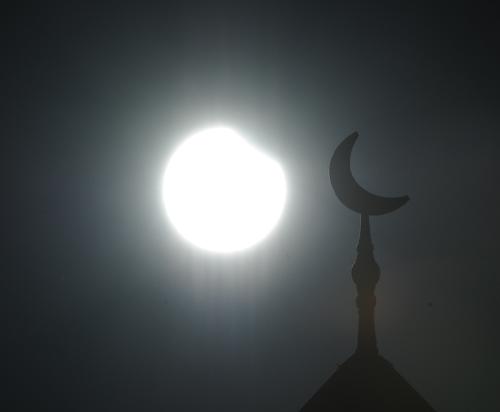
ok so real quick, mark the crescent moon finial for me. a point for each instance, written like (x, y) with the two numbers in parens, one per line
(350, 193)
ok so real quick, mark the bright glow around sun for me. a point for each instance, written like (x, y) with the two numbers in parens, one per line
(221, 193)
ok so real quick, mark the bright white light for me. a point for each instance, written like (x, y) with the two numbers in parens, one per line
(221, 193)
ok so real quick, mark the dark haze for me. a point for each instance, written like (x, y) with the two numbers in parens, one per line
(107, 309)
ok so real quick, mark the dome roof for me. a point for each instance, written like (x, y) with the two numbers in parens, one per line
(366, 383)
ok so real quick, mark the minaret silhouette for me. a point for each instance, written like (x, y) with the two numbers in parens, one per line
(365, 382)
(365, 274)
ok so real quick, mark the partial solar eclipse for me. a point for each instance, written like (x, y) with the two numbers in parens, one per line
(221, 193)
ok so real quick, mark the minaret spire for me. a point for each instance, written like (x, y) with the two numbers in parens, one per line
(365, 274)
(365, 382)
(365, 271)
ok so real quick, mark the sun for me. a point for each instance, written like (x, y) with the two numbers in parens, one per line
(221, 193)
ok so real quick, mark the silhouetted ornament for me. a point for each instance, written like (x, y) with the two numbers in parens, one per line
(366, 382)
(350, 192)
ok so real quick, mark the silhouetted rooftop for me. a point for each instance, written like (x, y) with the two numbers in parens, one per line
(366, 383)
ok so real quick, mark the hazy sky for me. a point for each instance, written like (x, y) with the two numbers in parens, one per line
(107, 309)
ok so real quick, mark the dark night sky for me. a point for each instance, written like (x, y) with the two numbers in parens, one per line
(106, 309)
